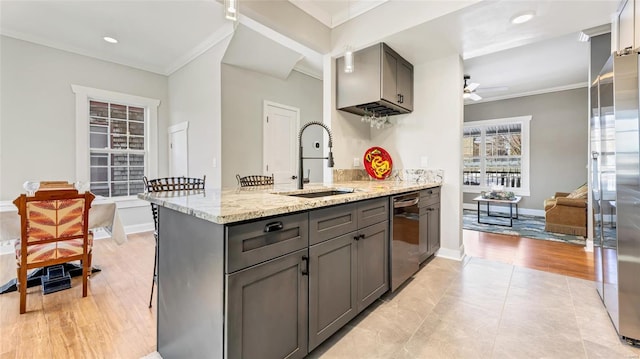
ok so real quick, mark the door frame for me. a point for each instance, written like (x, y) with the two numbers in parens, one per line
(265, 105)
(183, 126)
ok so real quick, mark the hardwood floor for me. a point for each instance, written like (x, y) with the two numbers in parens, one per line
(555, 257)
(114, 321)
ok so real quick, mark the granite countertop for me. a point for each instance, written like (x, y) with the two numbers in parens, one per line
(229, 205)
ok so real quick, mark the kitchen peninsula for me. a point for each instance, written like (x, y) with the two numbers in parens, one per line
(262, 272)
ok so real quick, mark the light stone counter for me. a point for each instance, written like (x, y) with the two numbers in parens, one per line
(224, 206)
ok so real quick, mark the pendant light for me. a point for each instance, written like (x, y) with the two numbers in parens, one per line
(348, 54)
(231, 9)
(348, 60)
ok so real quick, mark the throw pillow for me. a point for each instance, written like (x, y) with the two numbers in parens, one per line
(580, 192)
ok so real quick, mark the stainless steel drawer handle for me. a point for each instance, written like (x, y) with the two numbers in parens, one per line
(273, 226)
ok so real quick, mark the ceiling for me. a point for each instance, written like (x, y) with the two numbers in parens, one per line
(336, 12)
(539, 55)
(162, 36)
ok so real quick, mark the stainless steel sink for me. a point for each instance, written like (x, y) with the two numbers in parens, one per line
(332, 192)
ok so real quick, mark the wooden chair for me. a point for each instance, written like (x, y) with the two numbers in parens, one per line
(254, 180)
(166, 184)
(53, 185)
(54, 230)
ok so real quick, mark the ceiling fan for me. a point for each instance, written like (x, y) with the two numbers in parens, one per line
(469, 91)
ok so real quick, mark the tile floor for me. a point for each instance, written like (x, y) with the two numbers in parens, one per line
(482, 309)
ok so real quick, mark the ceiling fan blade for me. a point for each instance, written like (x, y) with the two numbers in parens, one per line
(471, 87)
(475, 97)
(493, 89)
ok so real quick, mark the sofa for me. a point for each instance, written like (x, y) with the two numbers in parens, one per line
(566, 213)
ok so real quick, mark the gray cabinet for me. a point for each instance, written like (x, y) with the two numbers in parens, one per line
(267, 288)
(372, 212)
(381, 83)
(373, 263)
(350, 271)
(433, 230)
(332, 287)
(397, 79)
(429, 231)
(331, 222)
(258, 241)
(267, 309)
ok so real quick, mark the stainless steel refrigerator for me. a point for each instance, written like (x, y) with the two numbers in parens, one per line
(615, 185)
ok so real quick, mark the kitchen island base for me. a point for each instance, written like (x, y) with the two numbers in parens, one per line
(190, 286)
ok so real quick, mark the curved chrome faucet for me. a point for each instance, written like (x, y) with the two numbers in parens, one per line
(301, 159)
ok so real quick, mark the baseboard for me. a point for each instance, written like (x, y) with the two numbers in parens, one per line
(503, 209)
(589, 246)
(454, 254)
(137, 228)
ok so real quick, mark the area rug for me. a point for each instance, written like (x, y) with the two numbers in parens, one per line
(524, 226)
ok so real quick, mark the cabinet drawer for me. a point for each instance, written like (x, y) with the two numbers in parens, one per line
(332, 222)
(429, 196)
(373, 211)
(256, 242)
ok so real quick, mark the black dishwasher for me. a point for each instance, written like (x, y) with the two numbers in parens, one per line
(405, 234)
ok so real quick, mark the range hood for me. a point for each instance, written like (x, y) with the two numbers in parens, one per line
(381, 83)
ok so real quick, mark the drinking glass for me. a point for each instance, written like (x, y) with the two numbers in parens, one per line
(31, 187)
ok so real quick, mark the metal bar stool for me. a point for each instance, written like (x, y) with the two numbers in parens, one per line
(166, 184)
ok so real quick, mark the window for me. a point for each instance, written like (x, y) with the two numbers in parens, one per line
(496, 153)
(117, 152)
(116, 141)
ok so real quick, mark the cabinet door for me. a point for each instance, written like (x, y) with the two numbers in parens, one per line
(388, 87)
(423, 235)
(404, 84)
(625, 26)
(332, 287)
(373, 263)
(267, 309)
(434, 228)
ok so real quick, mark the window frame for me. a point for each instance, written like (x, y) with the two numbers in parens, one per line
(525, 149)
(83, 96)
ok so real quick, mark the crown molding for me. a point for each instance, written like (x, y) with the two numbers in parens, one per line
(531, 93)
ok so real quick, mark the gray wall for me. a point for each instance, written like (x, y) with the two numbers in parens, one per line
(37, 114)
(242, 109)
(195, 97)
(559, 137)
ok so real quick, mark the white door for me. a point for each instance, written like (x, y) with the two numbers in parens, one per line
(178, 157)
(280, 141)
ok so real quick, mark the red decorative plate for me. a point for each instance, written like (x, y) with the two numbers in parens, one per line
(378, 163)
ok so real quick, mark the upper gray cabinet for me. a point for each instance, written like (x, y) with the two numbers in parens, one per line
(381, 83)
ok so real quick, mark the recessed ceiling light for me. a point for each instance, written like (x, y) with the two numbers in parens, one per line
(523, 17)
(110, 40)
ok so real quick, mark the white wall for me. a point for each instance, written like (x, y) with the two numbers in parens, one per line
(37, 113)
(432, 130)
(195, 91)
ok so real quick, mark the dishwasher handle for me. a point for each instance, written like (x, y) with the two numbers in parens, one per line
(405, 203)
